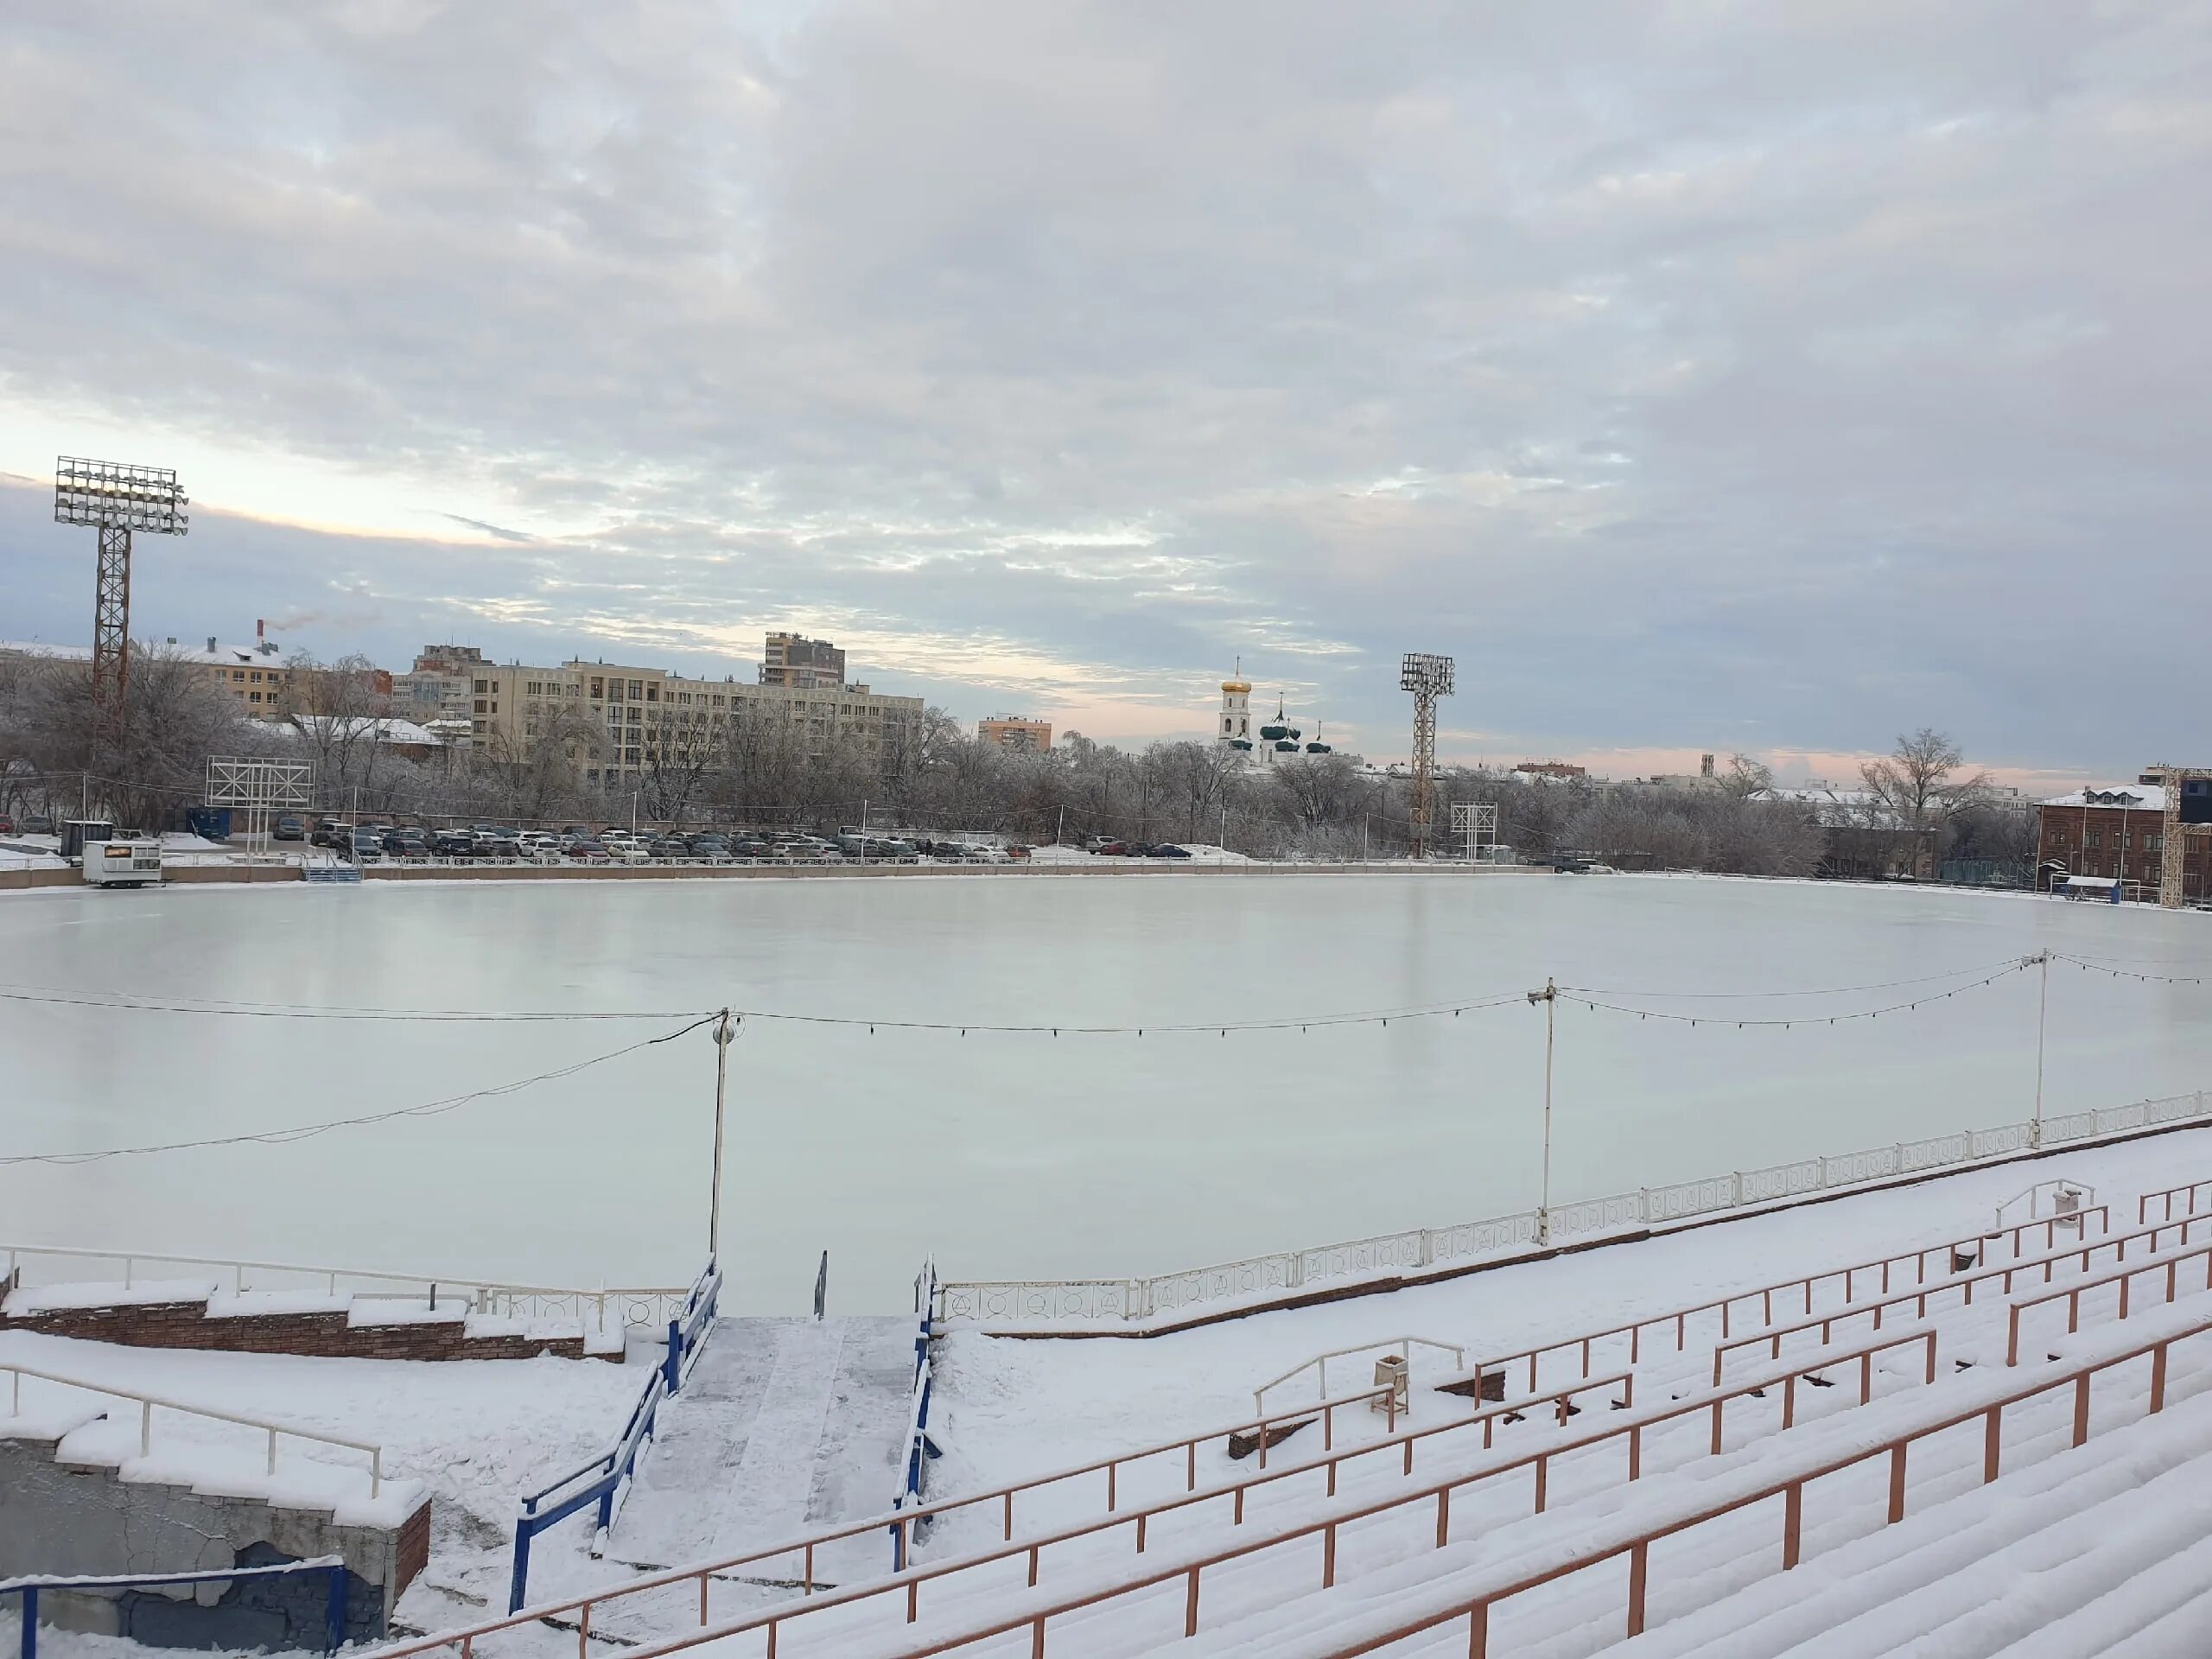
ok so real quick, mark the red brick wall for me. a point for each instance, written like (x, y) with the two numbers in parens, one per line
(2063, 833)
(414, 1552)
(186, 1324)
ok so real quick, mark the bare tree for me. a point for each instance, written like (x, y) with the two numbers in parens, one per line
(1915, 782)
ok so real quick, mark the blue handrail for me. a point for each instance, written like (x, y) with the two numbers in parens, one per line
(603, 1480)
(913, 1474)
(334, 1611)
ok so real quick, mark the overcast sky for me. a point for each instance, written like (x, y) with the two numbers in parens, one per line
(1766, 377)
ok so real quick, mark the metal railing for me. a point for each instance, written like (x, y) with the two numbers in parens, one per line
(1261, 1279)
(1597, 1547)
(1261, 1432)
(2191, 1193)
(1963, 1282)
(2123, 1276)
(1319, 1363)
(917, 1448)
(646, 1306)
(606, 1479)
(1190, 1567)
(146, 1403)
(1801, 1286)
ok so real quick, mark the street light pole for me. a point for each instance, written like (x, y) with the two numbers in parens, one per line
(2042, 1002)
(1549, 997)
(723, 1036)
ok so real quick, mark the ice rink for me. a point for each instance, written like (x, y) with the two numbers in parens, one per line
(1008, 1155)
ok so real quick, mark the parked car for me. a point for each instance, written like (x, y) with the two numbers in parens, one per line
(668, 847)
(614, 833)
(713, 848)
(624, 850)
(587, 852)
(503, 844)
(331, 833)
(7, 824)
(365, 846)
(1165, 850)
(453, 843)
(291, 827)
(412, 845)
(1106, 846)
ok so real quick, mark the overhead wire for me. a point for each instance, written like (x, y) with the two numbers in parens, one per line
(307, 1131)
(2021, 966)
(1818, 990)
(127, 1002)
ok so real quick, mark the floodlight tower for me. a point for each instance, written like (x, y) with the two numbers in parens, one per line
(115, 498)
(1428, 677)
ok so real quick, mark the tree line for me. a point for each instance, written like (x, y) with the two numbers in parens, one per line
(1910, 810)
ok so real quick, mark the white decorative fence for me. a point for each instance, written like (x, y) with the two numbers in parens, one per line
(1261, 1278)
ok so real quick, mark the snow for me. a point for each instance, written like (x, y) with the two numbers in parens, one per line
(477, 1434)
(1010, 1156)
(27, 1299)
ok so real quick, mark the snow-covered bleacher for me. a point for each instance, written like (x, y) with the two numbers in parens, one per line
(1559, 1500)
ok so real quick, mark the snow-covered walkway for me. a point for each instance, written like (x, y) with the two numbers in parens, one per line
(787, 1425)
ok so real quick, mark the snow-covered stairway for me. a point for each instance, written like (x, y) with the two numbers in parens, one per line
(786, 1426)
(2105, 1547)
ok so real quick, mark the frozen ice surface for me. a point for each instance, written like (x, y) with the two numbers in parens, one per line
(1010, 1156)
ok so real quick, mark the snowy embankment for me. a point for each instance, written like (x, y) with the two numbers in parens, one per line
(478, 1435)
(1020, 1406)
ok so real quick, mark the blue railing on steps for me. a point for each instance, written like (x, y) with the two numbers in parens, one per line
(30, 1588)
(605, 1480)
(919, 1448)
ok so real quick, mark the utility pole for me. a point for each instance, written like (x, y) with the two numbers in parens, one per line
(2042, 1002)
(1060, 828)
(1549, 997)
(723, 1037)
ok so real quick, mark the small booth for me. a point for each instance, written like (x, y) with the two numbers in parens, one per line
(2097, 889)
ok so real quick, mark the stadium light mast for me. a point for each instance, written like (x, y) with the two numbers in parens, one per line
(1428, 677)
(115, 498)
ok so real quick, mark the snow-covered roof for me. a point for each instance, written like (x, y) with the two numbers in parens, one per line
(223, 655)
(390, 729)
(2145, 798)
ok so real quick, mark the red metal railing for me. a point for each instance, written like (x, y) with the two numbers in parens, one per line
(1190, 1569)
(2191, 1193)
(2123, 1276)
(1801, 1287)
(1964, 1283)
(1590, 1553)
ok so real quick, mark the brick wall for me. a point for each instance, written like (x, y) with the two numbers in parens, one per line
(186, 1324)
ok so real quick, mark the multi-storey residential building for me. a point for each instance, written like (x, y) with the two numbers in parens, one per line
(1016, 732)
(255, 676)
(616, 721)
(800, 663)
(438, 687)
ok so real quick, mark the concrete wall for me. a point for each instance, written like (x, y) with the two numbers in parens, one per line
(77, 1519)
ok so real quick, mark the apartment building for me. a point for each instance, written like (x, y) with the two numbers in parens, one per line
(254, 677)
(616, 721)
(800, 664)
(439, 687)
(1016, 732)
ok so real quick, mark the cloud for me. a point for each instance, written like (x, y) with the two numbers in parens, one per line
(1718, 377)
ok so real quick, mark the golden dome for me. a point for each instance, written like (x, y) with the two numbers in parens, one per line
(1243, 686)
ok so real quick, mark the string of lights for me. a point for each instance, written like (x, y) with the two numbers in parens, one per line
(1802, 1019)
(1820, 991)
(105, 1001)
(2090, 966)
(307, 1131)
(1222, 1027)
